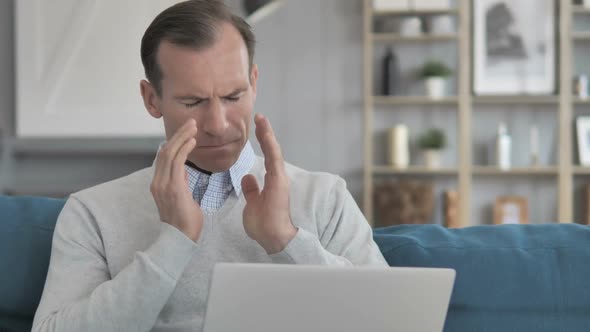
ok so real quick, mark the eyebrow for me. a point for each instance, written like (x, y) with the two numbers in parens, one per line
(188, 97)
(195, 97)
(237, 91)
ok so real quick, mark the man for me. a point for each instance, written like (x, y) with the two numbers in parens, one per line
(136, 253)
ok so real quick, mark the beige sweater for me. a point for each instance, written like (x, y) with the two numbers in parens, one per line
(116, 267)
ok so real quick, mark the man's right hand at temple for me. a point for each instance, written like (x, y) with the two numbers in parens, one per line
(170, 183)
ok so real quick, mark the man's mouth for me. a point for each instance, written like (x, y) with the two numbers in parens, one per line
(215, 146)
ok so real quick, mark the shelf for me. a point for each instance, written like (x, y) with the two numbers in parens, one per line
(393, 37)
(517, 100)
(85, 146)
(580, 10)
(414, 100)
(468, 108)
(585, 36)
(413, 170)
(579, 101)
(581, 170)
(450, 11)
(493, 170)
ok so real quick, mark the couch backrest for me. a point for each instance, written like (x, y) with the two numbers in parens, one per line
(509, 277)
(26, 230)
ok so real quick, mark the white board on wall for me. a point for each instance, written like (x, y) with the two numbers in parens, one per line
(79, 66)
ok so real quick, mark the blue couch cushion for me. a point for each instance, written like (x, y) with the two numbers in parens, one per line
(509, 277)
(26, 230)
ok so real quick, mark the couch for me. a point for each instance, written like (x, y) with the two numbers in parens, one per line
(509, 278)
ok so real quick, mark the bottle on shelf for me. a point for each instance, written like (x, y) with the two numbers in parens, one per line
(503, 147)
(581, 86)
(390, 74)
(534, 145)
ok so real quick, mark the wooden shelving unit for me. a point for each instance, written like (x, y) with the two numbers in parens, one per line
(516, 100)
(465, 104)
(413, 170)
(579, 101)
(533, 171)
(581, 170)
(377, 13)
(458, 103)
(414, 100)
(395, 38)
(584, 36)
(580, 10)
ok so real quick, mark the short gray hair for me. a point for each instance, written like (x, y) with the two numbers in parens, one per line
(194, 24)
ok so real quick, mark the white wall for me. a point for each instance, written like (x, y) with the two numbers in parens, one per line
(310, 56)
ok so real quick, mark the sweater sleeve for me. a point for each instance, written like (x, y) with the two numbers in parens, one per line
(345, 237)
(80, 295)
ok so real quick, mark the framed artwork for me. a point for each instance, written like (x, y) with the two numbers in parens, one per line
(511, 210)
(583, 133)
(78, 68)
(514, 51)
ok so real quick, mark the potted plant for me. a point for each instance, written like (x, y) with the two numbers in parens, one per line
(435, 74)
(431, 142)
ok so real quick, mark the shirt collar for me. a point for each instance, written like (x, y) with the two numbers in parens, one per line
(236, 172)
(242, 167)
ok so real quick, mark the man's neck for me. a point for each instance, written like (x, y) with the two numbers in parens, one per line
(190, 164)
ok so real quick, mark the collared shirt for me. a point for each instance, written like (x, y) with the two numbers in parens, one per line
(211, 191)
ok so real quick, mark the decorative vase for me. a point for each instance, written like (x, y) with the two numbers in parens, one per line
(435, 87)
(399, 155)
(410, 26)
(440, 25)
(431, 158)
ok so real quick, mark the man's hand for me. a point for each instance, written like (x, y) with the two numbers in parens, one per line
(266, 216)
(170, 184)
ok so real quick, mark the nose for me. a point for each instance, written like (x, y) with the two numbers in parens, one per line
(214, 122)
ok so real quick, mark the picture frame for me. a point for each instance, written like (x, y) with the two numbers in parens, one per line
(514, 52)
(583, 139)
(511, 210)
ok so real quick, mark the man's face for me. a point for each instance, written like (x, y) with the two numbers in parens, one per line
(212, 86)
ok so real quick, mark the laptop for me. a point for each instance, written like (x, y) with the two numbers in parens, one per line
(305, 298)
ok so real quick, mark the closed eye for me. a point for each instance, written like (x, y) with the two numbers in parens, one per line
(195, 104)
(232, 98)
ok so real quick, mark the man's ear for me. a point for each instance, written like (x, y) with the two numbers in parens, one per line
(150, 99)
(254, 78)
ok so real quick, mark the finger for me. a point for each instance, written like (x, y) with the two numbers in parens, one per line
(178, 171)
(273, 157)
(170, 150)
(181, 135)
(250, 188)
(165, 151)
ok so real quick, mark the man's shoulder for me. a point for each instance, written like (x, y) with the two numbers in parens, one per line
(298, 174)
(132, 185)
